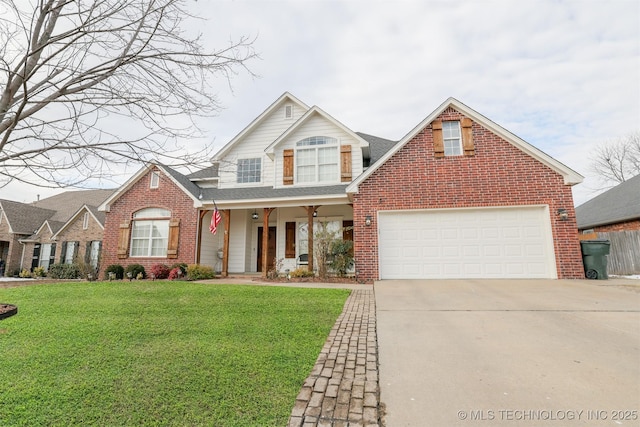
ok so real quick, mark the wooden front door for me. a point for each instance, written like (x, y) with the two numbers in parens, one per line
(271, 248)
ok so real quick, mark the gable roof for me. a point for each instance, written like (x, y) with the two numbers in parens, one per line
(315, 110)
(377, 146)
(620, 203)
(98, 216)
(284, 98)
(24, 218)
(181, 181)
(571, 177)
(68, 203)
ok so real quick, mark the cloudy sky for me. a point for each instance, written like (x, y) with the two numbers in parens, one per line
(562, 75)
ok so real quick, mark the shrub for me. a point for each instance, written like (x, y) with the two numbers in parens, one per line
(136, 270)
(341, 255)
(182, 266)
(175, 273)
(301, 272)
(25, 274)
(39, 272)
(64, 271)
(199, 272)
(116, 269)
(160, 271)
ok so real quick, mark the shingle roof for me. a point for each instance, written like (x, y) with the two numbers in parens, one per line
(68, 203)
(24, 218)
(183, 180)
(210, 172)
(377, 146)
(621, 203)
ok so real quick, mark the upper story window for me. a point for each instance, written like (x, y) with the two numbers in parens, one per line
(249, 170)
(155, 180)
(317, 160)
(150, 232)
(451, 137)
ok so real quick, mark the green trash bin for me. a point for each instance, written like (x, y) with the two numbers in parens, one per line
(594, 258)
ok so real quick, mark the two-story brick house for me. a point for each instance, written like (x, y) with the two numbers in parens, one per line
(458, 196)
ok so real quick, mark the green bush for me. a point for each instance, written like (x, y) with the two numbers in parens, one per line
(341, 255)
(136, 270)
(301, 272)
(64, 271)
(199, 272)
(39, 272)
(25, 274)
(182, 266)
(116, 269)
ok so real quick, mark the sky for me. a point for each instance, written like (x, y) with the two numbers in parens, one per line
(562, 75)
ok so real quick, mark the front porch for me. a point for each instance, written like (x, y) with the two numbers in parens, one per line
(257, 239)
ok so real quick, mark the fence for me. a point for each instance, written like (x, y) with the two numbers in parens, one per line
(624, 257)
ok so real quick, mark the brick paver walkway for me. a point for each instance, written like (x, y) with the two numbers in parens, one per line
(342, 389)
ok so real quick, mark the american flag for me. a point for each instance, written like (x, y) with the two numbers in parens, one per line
(215, 220)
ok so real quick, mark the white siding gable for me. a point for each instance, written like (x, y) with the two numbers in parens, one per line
(253, 144)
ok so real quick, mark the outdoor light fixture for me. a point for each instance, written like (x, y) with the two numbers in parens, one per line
(367, 220)
(315, 214)
(254, 215)
(563, 214)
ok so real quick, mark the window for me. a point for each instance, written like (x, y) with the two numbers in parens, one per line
(155, 180)
(451, 138)
(70, 251)
(85, 221)
(94, 253)
(317, 160)
(249, 170)
(302, 235)
(150, 233)
(46, 253)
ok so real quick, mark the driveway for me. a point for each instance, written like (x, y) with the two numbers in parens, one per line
(508, 352)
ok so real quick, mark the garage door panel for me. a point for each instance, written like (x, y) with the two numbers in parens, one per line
(466, 243)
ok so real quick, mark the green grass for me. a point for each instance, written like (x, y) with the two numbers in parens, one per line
(159, 353)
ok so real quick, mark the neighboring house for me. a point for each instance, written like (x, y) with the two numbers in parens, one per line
(64, 228)
(615, 215)
(457, 197)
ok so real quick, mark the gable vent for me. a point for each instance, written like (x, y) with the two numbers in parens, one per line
(288, 111)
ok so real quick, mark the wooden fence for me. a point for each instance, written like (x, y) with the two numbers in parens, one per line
(624, 256)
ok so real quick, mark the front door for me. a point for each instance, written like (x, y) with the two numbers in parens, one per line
(271, 248)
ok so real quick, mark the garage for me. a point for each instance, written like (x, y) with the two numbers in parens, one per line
(505, 242)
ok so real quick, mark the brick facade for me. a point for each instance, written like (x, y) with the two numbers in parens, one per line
(620, 226)
(140, 196)
(499, 174)
(11, 248)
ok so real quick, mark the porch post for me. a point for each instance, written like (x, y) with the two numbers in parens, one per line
(265, 241)
(310, 211)
(226, 217)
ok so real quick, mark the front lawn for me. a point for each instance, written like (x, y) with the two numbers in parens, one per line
(159, 353)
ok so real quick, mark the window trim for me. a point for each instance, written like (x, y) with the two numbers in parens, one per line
(85, 221)
(248, 171)
(316, 143)
(152, 215)
(155, 180)
(448, 148)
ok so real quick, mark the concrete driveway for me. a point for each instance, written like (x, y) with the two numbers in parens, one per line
(509, 352)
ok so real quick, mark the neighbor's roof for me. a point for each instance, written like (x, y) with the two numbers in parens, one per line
(619, 204)
(68, 203)
(24, 218)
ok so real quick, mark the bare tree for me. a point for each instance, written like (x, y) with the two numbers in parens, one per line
(91, 85)
(618, 160)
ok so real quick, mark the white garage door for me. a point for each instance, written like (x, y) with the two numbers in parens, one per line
(466, 243)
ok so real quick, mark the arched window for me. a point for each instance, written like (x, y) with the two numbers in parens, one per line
(317, 160)
(150, 232)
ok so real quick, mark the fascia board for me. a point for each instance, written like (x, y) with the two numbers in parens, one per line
(283, 202)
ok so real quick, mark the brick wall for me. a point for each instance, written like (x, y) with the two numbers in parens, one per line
(76, 233)
(499, 174)
(140, 196)
(620, 226)
(14, 252)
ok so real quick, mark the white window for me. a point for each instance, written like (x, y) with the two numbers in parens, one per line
(451, 137)
(249, 170)
(317, 160)
(69, 252)
(302, 235)
(150, 233)
(45, 256)
(155, 180)
(94, 256)
(288, 111)
(85, 221)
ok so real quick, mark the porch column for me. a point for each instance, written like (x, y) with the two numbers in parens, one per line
(310, 211)
(226, 217)
(265, 241)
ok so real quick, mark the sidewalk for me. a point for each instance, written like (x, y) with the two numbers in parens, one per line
(342, 389)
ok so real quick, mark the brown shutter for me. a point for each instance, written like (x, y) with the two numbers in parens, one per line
(467, 137)
(123, 239)
(438, 143)
(290, 240)
(287, 170)
(345, 163)
(174, 234)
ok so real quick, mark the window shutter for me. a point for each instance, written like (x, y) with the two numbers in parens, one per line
(35, 259)
(347, 232)
(438, 143)
(290, 240)
(345, 163)
(63, 253)
(87, 252)
(467, 137)
(52, 254)
(123, 239)
(174, 234)
(287, 172)
(76, 247)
